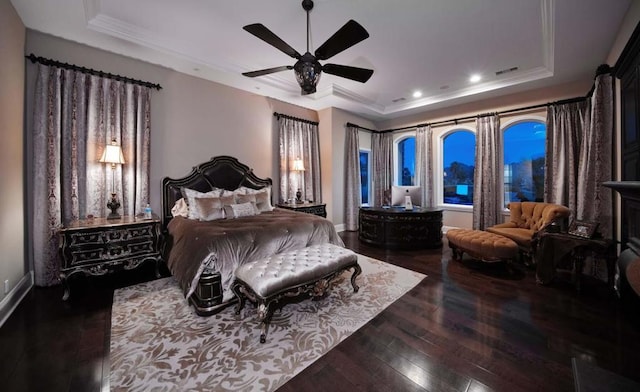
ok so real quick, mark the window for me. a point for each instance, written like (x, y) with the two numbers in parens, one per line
(458, 155)
(406, 161)
(524, 144)
(364, 176)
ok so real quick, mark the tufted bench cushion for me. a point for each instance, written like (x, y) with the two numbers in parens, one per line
(481, 245)
(293, 273)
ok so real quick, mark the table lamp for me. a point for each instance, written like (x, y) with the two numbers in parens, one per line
(298, 166)
(113, 154)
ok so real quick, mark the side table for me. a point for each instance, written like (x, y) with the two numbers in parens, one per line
(100, 246)
(309, 208)
(553, 247)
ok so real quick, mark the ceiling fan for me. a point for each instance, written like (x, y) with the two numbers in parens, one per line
(308, 69)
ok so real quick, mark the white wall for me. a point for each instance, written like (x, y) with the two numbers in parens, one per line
(333, 123)
(13, 266)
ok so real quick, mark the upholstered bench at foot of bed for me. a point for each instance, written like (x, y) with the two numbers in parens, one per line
(308, 271)
(481, 245)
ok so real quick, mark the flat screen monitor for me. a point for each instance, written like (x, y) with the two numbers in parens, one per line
(398, 193)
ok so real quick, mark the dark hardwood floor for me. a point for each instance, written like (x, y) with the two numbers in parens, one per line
(468, 326)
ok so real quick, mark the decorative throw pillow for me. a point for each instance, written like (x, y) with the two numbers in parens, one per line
(180, 208)
(191, 194)
(239, 210)
(209, 208)
(228, 197)
(259, 199)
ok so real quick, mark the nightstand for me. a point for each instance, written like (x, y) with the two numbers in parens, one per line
(99, 246)
(309, 208)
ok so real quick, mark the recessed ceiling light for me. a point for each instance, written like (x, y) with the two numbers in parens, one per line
(475, 78)
(417, 94)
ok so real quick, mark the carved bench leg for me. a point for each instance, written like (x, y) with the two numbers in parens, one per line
(237, 290)
(356, 271)
(264, 315)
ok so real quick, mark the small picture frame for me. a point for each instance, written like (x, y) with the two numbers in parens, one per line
(582, 228)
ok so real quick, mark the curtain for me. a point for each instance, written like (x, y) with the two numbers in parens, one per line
(424, 164)
(382, 166)
(352, 186)
(565, 127)
(299, 140)
(579, 155)
(486, 187)
(75, 116)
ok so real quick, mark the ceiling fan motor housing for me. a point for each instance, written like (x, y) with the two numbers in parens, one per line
(307, 71)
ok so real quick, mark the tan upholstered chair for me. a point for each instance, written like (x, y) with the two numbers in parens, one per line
(527, 218)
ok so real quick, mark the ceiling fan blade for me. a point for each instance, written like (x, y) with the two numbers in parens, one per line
(267, 71)
(260, 31)
(353, 73)
(348, 35)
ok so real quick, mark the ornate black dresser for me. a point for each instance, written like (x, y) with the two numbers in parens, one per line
(99, 246)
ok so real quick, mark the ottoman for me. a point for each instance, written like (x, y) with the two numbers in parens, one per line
(481, 245)
(308, 271)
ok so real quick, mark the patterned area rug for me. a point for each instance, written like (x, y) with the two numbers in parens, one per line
(159, 343)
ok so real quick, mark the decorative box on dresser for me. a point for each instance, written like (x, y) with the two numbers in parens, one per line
(100, 246)
(309, 208)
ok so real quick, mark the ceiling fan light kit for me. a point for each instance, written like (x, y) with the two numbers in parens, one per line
(308, 69)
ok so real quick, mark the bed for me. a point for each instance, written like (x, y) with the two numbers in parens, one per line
(202, 255)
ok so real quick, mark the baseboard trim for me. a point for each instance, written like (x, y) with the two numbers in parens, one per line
(11, 301)
(339, 227)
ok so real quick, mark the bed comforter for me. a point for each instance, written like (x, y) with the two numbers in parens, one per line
(223, 245)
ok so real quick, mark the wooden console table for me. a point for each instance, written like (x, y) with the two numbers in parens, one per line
(397, 228)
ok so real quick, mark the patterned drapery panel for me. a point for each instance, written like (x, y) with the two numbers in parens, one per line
(382, 166)
(424, 164)
(352, 185)
(299, 140)
(75, 116)
(486, 187)
(565, 127)
(579, 155)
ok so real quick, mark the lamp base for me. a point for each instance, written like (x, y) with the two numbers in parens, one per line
(113, 205)
(298, 197)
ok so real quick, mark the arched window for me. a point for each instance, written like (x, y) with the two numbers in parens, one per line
(458, 162)
(524, 144)
(406, 164)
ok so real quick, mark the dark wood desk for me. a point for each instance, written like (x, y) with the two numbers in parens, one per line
(552, 248)
(397, 228)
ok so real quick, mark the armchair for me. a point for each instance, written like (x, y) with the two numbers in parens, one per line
(527, 219)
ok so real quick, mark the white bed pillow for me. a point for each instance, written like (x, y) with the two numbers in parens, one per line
(180, 208)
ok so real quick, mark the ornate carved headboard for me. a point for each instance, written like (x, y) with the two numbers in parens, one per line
(220, 172)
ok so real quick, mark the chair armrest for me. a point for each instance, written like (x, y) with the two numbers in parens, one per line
(506, 225)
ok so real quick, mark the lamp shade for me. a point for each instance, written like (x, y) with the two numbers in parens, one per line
(298, 165)
(112, 154)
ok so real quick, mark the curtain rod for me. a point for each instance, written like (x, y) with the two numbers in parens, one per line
(602, 69)
(467, 118)
(46, 61)
(278, 115)
(359, 127)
